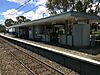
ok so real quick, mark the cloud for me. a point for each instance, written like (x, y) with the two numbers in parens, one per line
(38, 2)
(2, 21)
(29, 14)
(35, 2)
(41, 10)
(18, 1)
(39, 13)
(11, 14)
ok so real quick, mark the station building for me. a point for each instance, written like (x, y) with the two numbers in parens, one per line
(70, 28)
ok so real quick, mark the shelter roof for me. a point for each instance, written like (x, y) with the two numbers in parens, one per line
(60, 18)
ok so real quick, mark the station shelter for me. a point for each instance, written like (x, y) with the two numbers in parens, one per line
(70, 28)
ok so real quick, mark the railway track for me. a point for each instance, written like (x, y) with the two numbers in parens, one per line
(8, 64)
(35, 66)
(48, 67)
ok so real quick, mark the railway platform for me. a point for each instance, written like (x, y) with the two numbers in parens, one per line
(15, 60)
(82, 62)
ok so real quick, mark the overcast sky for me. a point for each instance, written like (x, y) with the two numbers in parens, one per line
(8, 9)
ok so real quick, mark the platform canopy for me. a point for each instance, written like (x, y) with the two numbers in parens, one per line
(61, 18)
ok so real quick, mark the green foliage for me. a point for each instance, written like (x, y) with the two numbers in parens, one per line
(9, 22)
(79, 6)
(27, 20)
(20, 19)
(60, 6)
(57, 6)
(2, 28)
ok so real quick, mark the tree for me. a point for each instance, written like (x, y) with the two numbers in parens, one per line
(2, 28)
(86, 4)
(9, 22)
(79, 6)
(97, 7)
(15, 22)
(27, 20)
(60, 6)
(57, 6)
(71, 4)
(21, 19)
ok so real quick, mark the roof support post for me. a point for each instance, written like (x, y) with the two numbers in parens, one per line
(66, 27)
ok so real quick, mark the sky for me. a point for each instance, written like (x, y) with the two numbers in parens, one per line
(34, 9)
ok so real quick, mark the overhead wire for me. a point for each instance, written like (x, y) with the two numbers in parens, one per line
(33, 8)
(24, 5)
(20, 7)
